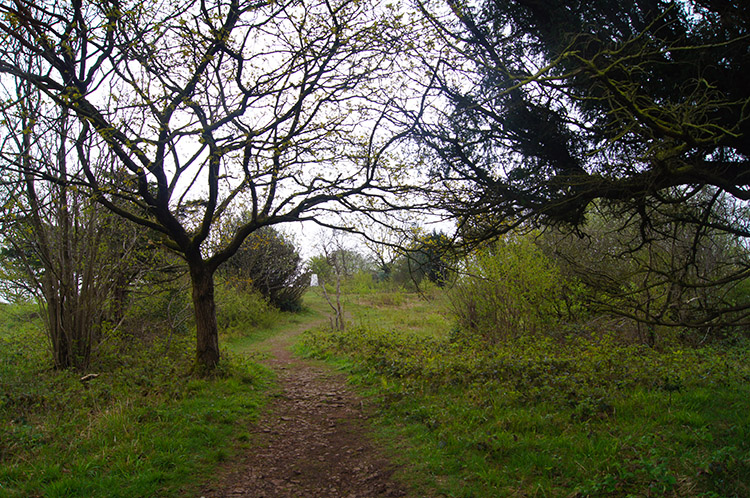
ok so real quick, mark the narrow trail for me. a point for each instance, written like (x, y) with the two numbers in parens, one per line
(311, 442)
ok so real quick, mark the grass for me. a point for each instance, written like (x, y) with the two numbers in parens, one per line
(380, 306)
(146, 426)
(537, 417)
(247, 343)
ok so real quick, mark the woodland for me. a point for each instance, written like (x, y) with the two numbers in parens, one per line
(531, 254)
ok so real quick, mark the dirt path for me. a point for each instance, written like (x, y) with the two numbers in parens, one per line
(311, 442)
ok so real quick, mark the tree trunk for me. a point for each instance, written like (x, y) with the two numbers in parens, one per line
(120, 289)
(204, 305)
(58, 339)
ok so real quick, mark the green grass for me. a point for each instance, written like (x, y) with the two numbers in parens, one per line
(145, 427)
(536, 417)
(542, 417)
(390, 308)
(250, 342)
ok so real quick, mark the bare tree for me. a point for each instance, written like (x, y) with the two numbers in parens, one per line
(276, 106)
(335, 253)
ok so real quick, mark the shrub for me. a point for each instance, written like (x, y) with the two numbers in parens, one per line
(360, 283)
(241, 310)
(269, 262)
(508, 290)
(585, 373)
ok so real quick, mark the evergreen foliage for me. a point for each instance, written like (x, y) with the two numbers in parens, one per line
(562, 103)
(561, 109)
(269, 262)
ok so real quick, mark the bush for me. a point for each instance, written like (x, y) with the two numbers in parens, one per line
(362, 282)
(580, 372)
(269, 263)
(238, 311)
(508, 290)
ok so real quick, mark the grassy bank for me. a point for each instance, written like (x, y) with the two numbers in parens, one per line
(535, 417)
(145, 426)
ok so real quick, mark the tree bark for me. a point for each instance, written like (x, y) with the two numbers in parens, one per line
(204, 305)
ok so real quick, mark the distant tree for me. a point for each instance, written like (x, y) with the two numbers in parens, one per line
(348, 261)
(429, 256)
(269, 262)
(333, 265)
(384, 244)
(278, 106)
(336, 257)
(432, 257)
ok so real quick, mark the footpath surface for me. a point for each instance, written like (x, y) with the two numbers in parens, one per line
(312, 440)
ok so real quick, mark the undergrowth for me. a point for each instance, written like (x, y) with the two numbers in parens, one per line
(242, 311)
(565, 417)
(146, 425)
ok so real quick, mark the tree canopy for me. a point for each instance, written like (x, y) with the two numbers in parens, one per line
(269, 262)
(555, 105)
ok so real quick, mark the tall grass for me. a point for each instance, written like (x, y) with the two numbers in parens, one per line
(145, 426)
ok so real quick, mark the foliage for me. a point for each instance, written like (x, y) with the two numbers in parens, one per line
(80, 266)
(362, 282)
(431, 258)
(239, 311)
(146, 426)
(160, 307)
(559, 108)
(510, 289)
(690, 279)
(535, 369)
(563, 416)
(161, 310)
(347, 262)
(562, 104)
(268, 262)
(59, 246)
